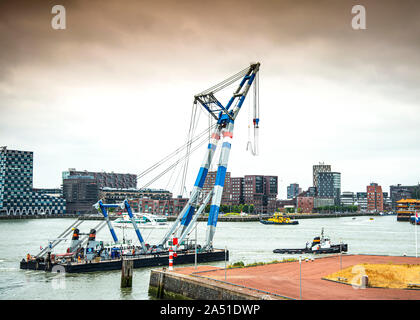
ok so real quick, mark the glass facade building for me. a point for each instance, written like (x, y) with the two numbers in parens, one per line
(17, 196)
(329, 186)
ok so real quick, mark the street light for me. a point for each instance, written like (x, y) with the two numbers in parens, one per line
(300, 277)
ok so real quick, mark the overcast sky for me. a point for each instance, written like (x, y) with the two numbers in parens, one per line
(114, 90)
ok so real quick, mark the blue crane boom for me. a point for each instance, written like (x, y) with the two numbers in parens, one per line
(223, 132)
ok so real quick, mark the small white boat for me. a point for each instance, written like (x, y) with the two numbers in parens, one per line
(143, 221)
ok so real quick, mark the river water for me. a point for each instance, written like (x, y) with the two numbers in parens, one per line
(246, 241)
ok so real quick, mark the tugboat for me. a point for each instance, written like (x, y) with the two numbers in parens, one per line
(320, 245)
(414, 220)
(279, 219)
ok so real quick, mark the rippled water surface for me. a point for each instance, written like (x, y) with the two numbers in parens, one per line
(246, 241)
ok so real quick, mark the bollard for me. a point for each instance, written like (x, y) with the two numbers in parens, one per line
(365, 281)
(160, 290)
(127, 273)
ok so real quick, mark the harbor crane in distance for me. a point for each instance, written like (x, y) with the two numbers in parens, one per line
(221, 135)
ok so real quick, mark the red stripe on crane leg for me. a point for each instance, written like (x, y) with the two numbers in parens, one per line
(228, 134)
(215, 136)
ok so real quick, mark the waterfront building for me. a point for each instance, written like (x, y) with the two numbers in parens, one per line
(281, 204)
(361, 200)
(306, 204)
(54, 192)
(329, 185)
(347, 198)
(237, 190)
(81, 193)
(375, 199)
(227, 188)
(312, 192)
(261, 192)
(323, 202)
(82, 189)
(318, 168)
(387, 202)
(106, 179)
(17, 196)
(407, 208)
(293, 190)
(398, 192)
(172, 206)
(117, 195)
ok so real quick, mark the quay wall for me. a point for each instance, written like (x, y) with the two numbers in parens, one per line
(168, 285)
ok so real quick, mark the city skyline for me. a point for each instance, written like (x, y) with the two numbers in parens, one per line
(88, 97)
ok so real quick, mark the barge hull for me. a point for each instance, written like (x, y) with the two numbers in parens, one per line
(333, 249)
(142, 262)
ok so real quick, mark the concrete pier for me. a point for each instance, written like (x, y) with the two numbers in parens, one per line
(277, 281)
(173, 285)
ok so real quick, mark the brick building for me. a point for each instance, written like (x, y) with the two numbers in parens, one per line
(375, 200)
(227, 188)
(169, 207)
(306, 204)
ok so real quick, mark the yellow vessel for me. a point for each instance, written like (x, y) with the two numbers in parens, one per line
(278, 218)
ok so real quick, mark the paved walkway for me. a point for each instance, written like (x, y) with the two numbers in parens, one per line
(283, 278)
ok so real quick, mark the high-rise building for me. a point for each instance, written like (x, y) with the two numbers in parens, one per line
(375, 199)
(329, 185)
(106, 179)
(227, 188)
(17, 196)
(81, 193)
(312, 192)
(82, 189)
(261, 191)
(292, 190)
(316, 169)
(237, 190)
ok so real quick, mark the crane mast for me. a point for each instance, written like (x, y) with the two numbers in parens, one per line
(223, 133)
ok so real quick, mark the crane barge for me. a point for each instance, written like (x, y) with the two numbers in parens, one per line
(86, 254)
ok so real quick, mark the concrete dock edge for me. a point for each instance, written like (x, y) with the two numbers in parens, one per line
(170, 285)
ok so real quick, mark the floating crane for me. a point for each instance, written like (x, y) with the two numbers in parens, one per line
(220, 139)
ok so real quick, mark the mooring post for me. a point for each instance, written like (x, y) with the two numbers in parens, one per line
(160, 290)
(127, 273)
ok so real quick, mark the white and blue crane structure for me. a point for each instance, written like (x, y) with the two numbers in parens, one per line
(220, 138)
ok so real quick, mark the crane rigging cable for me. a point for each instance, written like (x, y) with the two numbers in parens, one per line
(224, 83)
(253, 147)
(174, 153)
(193, 126)
(202, 142)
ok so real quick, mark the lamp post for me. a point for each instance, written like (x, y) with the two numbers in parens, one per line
(195, 251)
(300, 277)
(415, 229)
(225, 262)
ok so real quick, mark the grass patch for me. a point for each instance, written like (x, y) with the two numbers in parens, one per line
(241, 264)
(232, 214)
